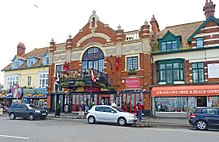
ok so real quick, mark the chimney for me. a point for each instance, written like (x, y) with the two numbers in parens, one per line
(52, 46)
(145, 30)
(20, 49)
(209, 9)
(120, 35)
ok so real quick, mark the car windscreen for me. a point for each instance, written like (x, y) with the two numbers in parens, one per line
(31, 106)
(119, 109)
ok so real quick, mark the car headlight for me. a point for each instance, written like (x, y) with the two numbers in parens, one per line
(37, 111)
(131, 116)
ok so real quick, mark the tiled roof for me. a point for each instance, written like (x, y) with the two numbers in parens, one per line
(37, 52)
(185, 30)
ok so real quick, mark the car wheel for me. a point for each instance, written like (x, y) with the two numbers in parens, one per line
(31, 117)
(122, 121)
(12, 116)
(201, 125)
(91, 120)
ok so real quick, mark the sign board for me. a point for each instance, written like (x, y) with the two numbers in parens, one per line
(132, 83)
(213, 70)
(35, 93)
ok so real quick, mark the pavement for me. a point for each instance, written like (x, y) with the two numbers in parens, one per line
(147, 121)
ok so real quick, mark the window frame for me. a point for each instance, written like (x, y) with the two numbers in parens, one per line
(198, 40)
(126, 63)
(198, 69)
(169, 67)
(43, 81)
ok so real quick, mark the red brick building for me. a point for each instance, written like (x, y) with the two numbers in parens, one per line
(186, 66)
(100, 63)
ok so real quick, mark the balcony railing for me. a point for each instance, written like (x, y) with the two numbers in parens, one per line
(82, 75)
(132, 35)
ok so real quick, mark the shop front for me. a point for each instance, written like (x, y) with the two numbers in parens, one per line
(180, 101)
(37, 96)
(95, 97)
(13, 94)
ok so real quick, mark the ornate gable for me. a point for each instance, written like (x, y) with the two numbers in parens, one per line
(93, 31)
(208, 31)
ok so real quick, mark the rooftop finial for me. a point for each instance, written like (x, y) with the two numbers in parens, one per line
(119, 27)
(69, 36)
(146, 22)
(94, 12)
(52, 40)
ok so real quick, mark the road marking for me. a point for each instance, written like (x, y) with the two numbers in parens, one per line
(15, 137)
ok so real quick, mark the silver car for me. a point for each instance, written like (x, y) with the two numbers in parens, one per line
(109, 114)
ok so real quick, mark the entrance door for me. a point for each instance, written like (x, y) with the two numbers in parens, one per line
(104, 98)
(201, 101)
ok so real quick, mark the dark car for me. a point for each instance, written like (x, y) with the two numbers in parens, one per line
(27, 111)
(205, 117)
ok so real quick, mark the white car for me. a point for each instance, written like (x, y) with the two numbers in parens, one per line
(109, 114)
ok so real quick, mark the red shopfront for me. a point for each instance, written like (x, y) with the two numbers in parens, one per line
(183, 99)
(130, 96)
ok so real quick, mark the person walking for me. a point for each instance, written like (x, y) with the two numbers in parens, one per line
(139, 110)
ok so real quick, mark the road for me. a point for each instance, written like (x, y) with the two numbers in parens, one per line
(53, 130)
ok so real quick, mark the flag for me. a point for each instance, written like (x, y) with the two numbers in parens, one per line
(57, 80)
(117, 64)
(93, 78)
(65, 69)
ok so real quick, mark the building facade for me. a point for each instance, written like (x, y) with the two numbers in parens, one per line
(26, 77)
(186, 66)
(100, 63)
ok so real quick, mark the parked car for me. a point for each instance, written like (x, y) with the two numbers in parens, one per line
(27, 111)
(204, 118)
(109, 114)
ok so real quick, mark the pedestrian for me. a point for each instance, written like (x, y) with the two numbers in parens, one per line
(102, 102)
(139, 110)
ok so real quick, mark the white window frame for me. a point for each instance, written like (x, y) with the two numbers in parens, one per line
(40, 81)
(134, 55)
(12, 79)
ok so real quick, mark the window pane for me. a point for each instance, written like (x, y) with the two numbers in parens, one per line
(169, 76)
(162, 75)
(200, 65)
(169, 46)
(195, 76)
(174, 44)
(199, 42)
(176, 74)
(162, 66)
(163, 46)
(169, 66)
(175, 65)
(194, 65)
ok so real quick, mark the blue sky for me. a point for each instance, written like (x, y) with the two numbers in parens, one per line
(35, 22)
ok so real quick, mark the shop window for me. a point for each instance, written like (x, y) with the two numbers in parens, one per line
(170, 70)
(173, 104)
(198, 73)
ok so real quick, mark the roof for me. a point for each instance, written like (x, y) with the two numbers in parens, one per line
(37, 52)
(184, 30)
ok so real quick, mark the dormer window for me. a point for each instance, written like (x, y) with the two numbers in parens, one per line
(45, 60)
(169, 42)
(200, 42)
(31, 61)
(15, 64)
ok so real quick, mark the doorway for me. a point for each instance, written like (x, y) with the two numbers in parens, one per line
(105, 98)
(201, 101)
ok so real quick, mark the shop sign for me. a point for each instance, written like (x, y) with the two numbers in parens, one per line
(35, 93)
(132, 83)
(186, 91)
(14, 91)
(94, 89)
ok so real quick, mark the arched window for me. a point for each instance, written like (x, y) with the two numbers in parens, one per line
(93, 58)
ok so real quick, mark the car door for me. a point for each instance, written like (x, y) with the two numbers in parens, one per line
(100, 114)
(212, 116)
(111, 115)
(23, 111)
(16, 110)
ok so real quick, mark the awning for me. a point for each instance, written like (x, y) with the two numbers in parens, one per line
(186, 90)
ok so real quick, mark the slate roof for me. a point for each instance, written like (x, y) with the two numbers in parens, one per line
(37, 52)
(185, 30)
